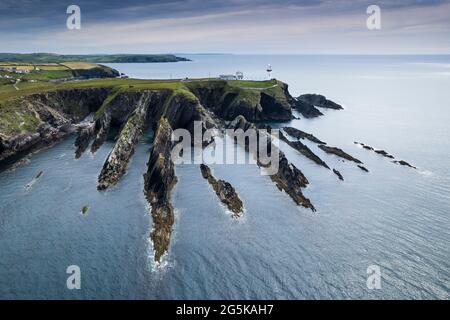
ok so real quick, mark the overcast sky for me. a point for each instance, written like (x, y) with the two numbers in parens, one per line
(233, 26)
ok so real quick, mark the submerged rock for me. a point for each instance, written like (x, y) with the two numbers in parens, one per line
(299, 134)
(84, 210)
(224, 191)
(338, 152)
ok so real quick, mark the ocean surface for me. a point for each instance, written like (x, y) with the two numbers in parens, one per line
(394, 217)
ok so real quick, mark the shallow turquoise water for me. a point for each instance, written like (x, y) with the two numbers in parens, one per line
(394, 217)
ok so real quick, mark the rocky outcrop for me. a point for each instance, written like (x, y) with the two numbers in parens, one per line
(84, 138)
(306, 109)
(159, 181)
(363, 168)
(225, 191)
(117, 161)
(288, 177)
(319, 101)
(385, 154)
(306, 104)
(304, 150)
(299, 134)
(380, 152)
(404, 163)
(339, 175)
(339, 152)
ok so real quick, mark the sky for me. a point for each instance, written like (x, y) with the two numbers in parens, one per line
(233, 26)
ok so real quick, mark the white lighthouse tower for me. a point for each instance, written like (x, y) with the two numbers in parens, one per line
(269, 71)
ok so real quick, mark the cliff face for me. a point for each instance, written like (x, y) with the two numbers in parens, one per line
(38, 120)
(255, 104)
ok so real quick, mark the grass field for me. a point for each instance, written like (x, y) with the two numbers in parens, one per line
(79, 65)
(27, 88)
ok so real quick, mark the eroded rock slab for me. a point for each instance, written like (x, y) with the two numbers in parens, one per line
(304, 150)
(299, 134)
(339, 152)
(116, 164)
(380, 152)
(159, 181)
(225, 191)
(307, 109)
(84, 138)
(339, 175)
(319, 101)
(404, 163)
(363, 168)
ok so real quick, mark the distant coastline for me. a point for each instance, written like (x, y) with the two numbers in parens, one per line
(91, 58)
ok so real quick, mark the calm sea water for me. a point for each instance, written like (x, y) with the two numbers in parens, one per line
(393, 217)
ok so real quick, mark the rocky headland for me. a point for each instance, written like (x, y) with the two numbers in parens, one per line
(125, 108)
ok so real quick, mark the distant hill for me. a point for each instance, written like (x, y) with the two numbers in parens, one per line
(97, 58)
